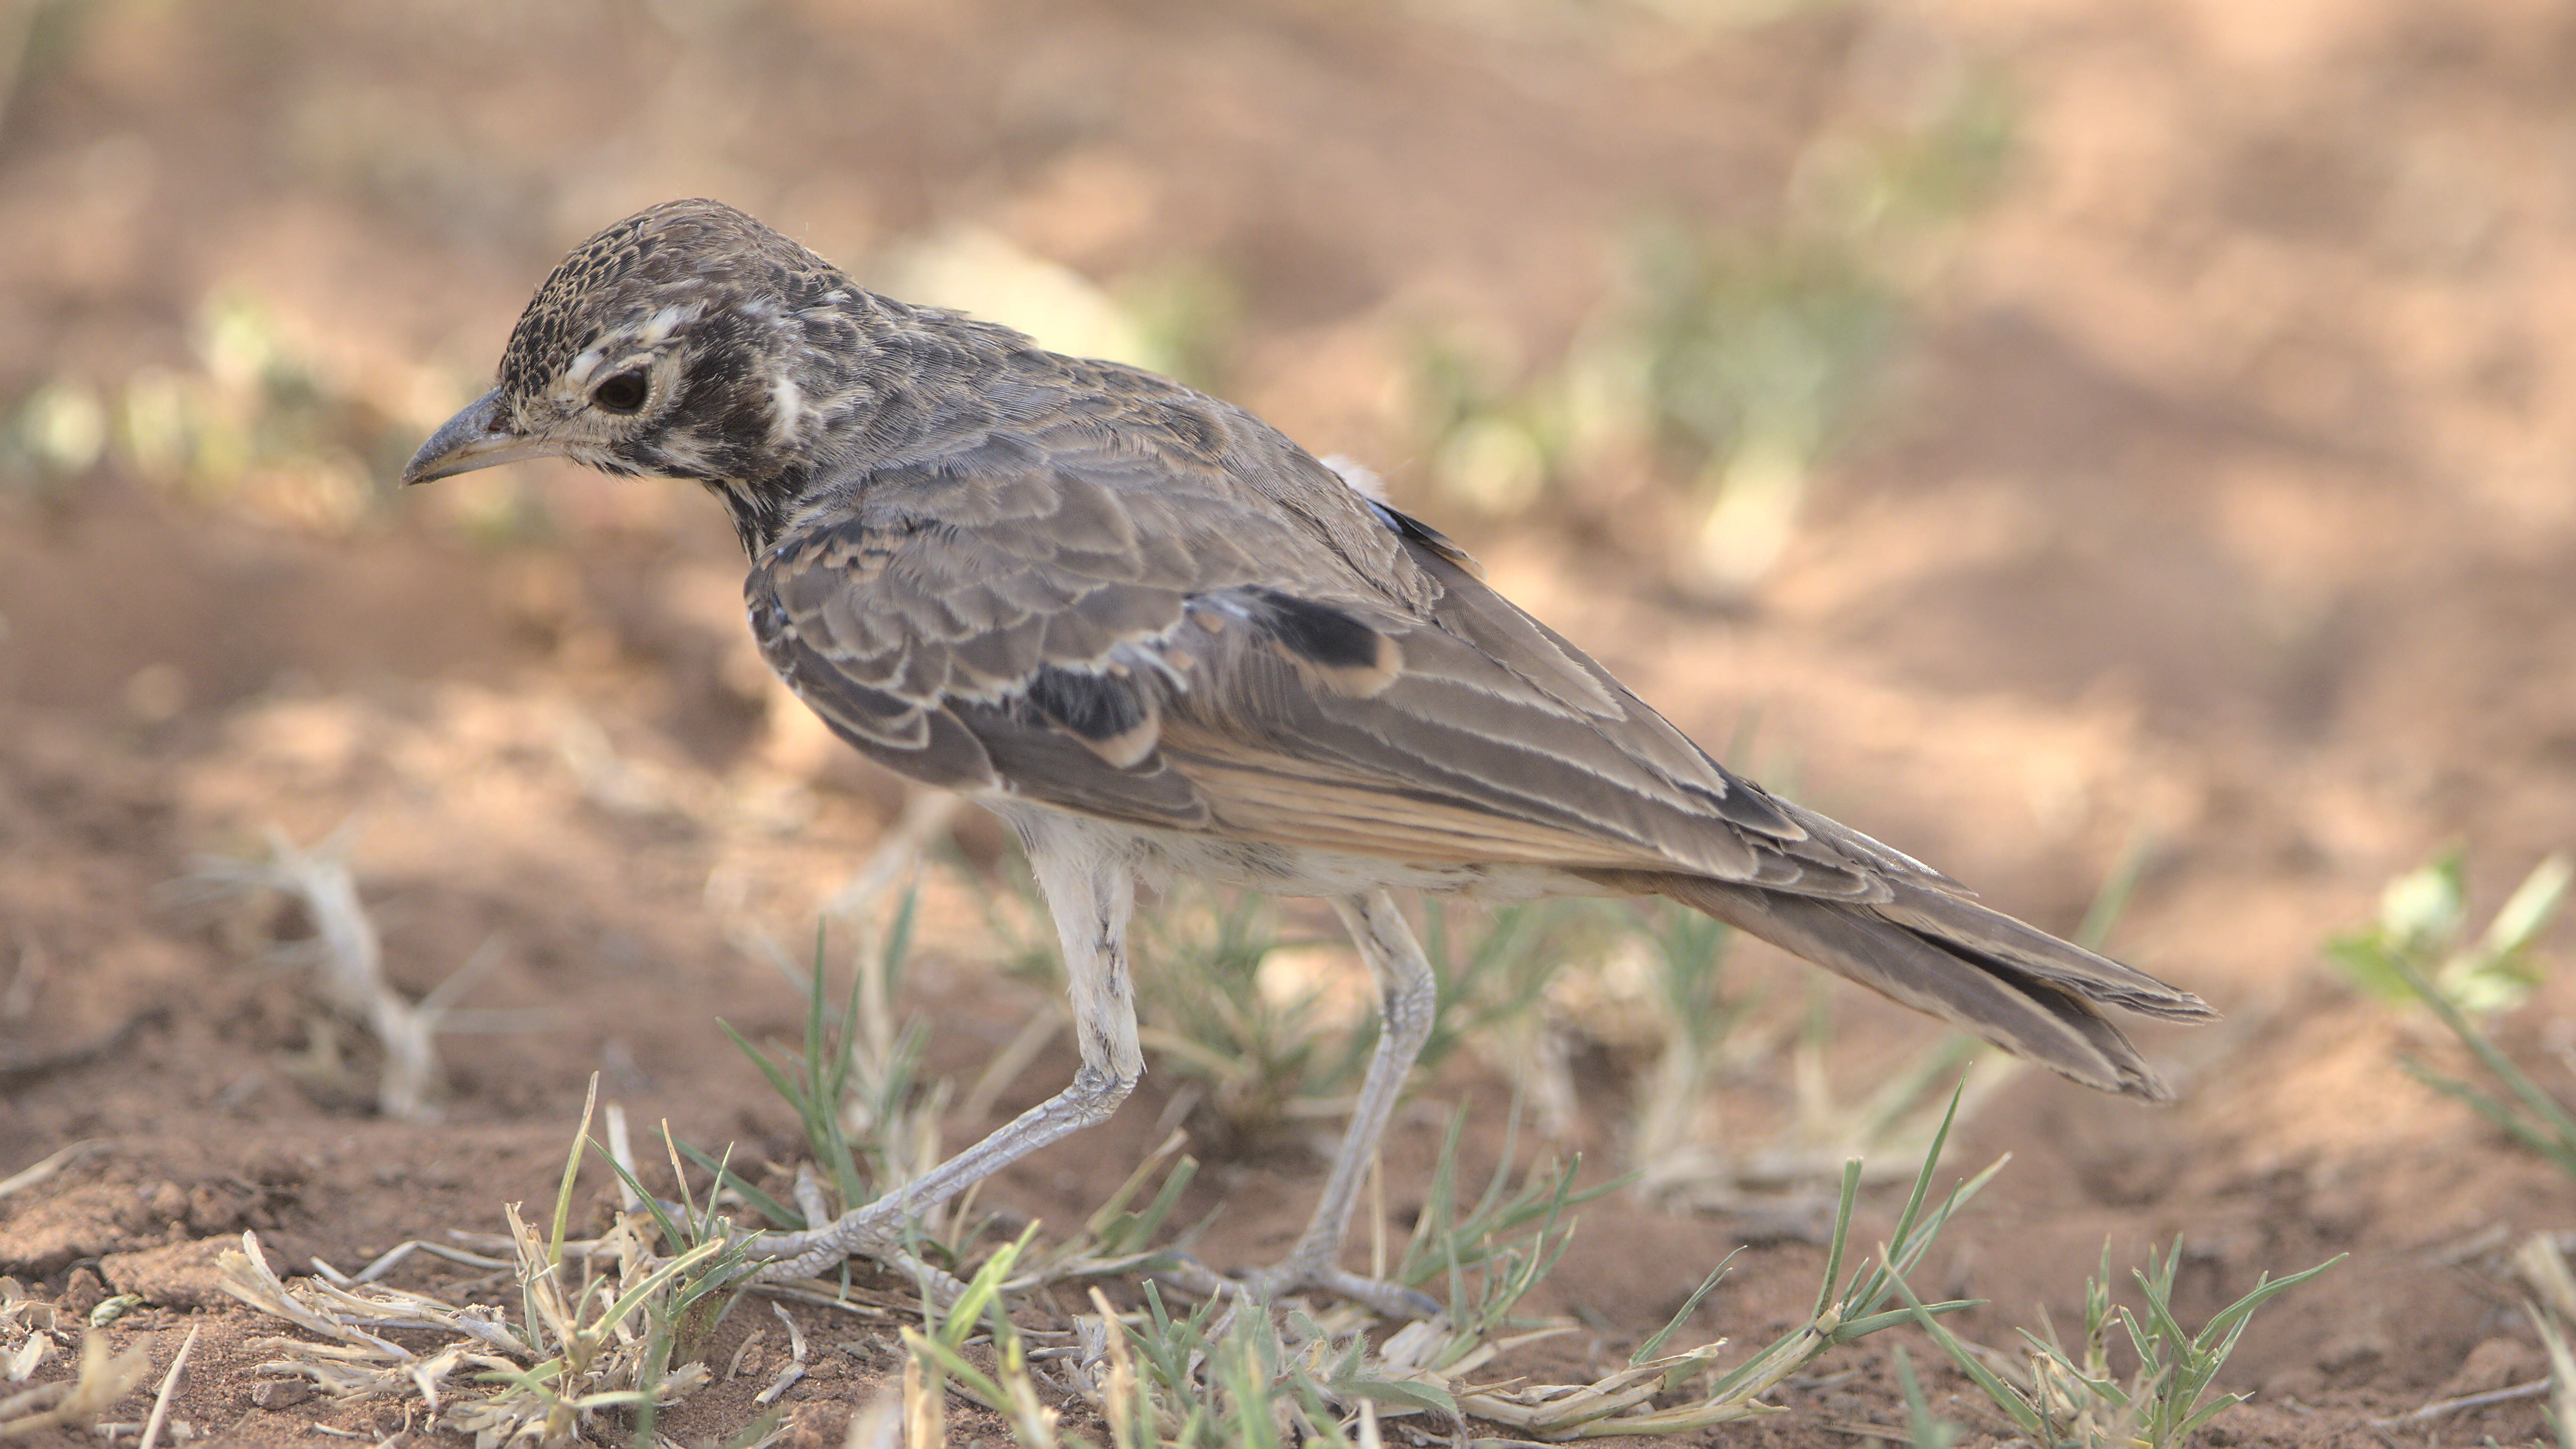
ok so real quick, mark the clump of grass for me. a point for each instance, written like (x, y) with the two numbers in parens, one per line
(603, 1327)
(2069, 1393)
(937, 1349)
(2420, 938)
(2418, 949)
(1496, 962)
(1265, 1058)
(1474, 1250)
(854, 1086)
(607, 1333)
(1846, 1310)
(1223, 1374)
(83, 1399)
(1658, 1392)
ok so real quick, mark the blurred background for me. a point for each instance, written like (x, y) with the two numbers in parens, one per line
(2082, 442)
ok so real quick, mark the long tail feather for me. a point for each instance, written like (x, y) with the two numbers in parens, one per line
(2016, 986)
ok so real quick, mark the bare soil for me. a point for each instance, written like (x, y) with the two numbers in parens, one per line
(2227, 499)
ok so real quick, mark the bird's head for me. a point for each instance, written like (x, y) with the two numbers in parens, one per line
(687, 341)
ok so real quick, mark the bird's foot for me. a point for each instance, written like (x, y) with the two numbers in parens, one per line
(876, 1231)
(1299, 1272)
(1381, 1296)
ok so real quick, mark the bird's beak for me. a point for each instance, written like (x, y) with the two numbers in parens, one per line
(478, 437)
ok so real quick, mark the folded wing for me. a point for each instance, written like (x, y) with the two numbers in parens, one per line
(1175, 619)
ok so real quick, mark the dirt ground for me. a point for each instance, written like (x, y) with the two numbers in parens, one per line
(2221, 496)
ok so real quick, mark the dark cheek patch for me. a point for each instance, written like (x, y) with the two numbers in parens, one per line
(724, 392)
(647, 451)
(720, 365)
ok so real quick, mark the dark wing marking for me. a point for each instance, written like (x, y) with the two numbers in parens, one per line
(1340, 650)
(1107, 712)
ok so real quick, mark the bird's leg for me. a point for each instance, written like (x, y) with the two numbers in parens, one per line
(1091, 894)
(1408, 999)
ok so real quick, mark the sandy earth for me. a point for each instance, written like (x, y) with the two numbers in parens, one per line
(2223, 498)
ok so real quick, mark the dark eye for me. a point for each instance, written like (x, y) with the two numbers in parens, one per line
(623, 393)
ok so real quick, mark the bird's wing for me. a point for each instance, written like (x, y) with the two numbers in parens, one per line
(1116, 622)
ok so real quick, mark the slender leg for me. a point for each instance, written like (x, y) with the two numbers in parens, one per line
(1091, 893)
(1408, 999)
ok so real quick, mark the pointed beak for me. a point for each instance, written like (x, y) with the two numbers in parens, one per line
(478, 437)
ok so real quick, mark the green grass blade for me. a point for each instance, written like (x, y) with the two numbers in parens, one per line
(778, 1213)
(2231, 1319)
(1653, 1347)
(572, 1170)
(1843, 1204)
(2539, 1103)
(2021, 1411)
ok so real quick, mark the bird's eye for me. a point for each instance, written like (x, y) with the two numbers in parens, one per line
(623, 393)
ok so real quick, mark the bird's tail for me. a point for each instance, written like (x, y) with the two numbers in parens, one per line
(2018, 987)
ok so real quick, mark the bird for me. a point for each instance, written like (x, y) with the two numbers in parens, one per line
(1162, 642)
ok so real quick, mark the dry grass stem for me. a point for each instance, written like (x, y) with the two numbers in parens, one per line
(53, 1162)
(169, 1385)
(73, 1403)
(348, 956)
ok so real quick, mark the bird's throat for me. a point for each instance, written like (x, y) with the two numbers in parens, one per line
(758, 508)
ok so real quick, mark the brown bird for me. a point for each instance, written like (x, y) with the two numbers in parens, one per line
(1162, 640)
